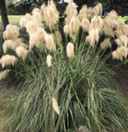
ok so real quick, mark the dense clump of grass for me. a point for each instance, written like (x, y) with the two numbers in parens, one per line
(65, 82)
(83, 87)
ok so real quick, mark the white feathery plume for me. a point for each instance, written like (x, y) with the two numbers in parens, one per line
(21, 52)
(55, 105)
(49, 60)
(9, 44)
(70, 50)
(49, 42)
(11, 32)
(6, 60)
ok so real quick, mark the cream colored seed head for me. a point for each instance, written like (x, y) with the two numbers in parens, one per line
(98, 9)
(90, 13)
(107, 28)
(115, 24)
(49, 60)
(10, 35)
(118, 42)
(4, 74)
(123, 51)
(124, 40)
(9, 44)
(73, 26)
(32, 27)
(96, 23)
(25, 19)
(83, 13)
(85, 24)
(105, 44)
(37, 38)
(11, 27)
(19, 41)
(120, 53)
(111, 22)
(93, 37)
(6, 60)
(55, 105)
(125, 29)
(11, 32)
(113, 14)
(115, 55)
(50, 14)
(70, 50)
(36, 14)
(71, 10)
(122, 29)
(36, 10)
(21, 52)
(49, 42)
(66, 29)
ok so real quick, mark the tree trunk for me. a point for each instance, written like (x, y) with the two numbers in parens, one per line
(4, 15)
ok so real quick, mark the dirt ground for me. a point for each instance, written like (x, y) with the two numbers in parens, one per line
(7, 94)
(121, 75)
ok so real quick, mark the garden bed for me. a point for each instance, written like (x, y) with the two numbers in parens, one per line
(63, 75)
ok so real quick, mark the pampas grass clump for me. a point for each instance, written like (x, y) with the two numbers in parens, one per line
(65, 81)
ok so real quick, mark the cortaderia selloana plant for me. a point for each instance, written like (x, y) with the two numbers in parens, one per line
(66, 84)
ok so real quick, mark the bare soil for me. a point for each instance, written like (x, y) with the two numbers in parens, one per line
(121, 75)
(7, 95)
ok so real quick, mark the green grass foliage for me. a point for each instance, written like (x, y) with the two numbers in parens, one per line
(83, 87)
